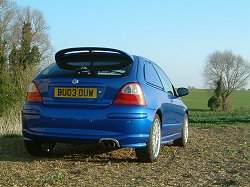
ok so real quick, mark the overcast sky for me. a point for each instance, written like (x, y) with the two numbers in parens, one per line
(176, 34)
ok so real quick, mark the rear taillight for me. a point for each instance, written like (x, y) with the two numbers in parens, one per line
(33, 94)
(130, 94)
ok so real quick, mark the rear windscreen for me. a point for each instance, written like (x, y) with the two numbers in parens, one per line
(111, 69)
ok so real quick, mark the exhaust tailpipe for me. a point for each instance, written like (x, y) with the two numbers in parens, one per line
(109, 142)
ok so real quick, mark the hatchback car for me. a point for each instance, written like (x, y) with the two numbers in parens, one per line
(104, 96)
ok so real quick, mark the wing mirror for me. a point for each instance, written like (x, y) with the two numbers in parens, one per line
(182, 92)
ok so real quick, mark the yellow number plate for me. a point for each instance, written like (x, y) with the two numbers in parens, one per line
(75, 92)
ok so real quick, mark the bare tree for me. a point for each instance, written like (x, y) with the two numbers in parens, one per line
(7, 18)
(233, 70)
(40, 37)
(12, 20)
(7, 21)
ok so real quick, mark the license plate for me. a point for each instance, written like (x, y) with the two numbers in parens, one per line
(75, 92)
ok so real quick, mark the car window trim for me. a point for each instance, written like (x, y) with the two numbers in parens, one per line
(174, 92)
(151, 84)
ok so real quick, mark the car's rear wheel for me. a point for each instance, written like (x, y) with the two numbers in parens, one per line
(151, 152)
(182, 142)
(37, 148)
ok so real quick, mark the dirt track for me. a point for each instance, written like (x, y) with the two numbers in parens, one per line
(215, 156)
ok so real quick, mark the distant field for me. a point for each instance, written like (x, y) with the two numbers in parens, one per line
(200, 115)
(208, 118)
(197, 99)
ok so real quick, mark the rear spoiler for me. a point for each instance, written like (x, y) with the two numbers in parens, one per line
(90, 54)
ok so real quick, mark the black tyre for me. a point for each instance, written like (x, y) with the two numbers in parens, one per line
(37, 148)
(184, 138)
(151, 152)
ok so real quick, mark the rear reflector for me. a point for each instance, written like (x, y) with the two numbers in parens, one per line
(130, 94)
(33, 94)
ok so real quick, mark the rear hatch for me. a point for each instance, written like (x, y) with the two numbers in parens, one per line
(84, 77)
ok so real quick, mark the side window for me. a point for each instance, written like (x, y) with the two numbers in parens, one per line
(165, 80)
(151, 76)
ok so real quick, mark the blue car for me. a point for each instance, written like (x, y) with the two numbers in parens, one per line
(93, 95)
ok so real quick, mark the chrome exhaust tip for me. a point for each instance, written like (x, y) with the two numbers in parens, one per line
(109, 142)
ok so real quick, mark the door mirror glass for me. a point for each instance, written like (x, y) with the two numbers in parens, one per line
(182, 91)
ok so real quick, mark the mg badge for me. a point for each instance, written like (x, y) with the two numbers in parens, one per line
(75, 81)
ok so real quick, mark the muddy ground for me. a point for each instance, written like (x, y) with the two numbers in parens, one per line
(215, 156)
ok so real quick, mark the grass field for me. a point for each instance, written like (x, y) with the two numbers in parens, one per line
(197, 99)
(200, 115)
(208, 118)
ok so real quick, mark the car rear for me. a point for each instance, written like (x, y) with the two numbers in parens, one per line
(90, 95)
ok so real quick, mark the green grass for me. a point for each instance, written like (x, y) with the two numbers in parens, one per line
(200, 115)
(197, 99)
(208, 118)
(240, 100)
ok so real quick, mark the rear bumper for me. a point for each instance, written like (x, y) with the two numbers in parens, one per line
(129, 125)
